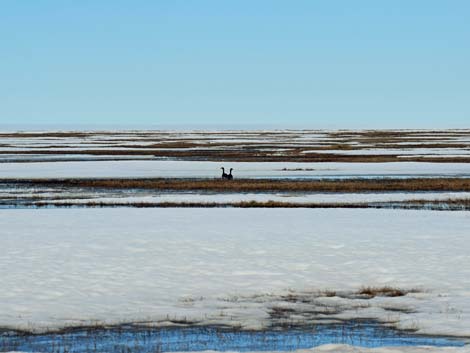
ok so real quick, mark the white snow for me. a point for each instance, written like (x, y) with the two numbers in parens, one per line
(59, 195)
(72, 266)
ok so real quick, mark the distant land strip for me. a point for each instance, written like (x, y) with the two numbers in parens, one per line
(247, 155)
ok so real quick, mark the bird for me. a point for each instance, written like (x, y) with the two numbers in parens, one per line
(230, 176)
(224, 175)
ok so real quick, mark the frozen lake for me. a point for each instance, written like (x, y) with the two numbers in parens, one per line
(205, 169)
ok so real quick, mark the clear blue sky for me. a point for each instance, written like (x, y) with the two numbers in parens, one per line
(330, 63)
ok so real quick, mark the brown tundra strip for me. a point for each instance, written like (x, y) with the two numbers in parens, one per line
(437, 205)
(259, 185)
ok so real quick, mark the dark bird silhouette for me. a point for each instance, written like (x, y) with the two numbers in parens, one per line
(224, 175)
(230, 176)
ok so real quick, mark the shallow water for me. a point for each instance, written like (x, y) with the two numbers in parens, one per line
(172, 339)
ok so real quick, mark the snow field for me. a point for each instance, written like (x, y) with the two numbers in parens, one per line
(74, 266)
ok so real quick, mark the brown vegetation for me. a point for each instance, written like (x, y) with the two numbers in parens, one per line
(261, 185)
(434, 205)
(245, 155)
(385, 291)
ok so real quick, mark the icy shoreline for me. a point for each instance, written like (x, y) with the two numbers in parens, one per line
(340, 348)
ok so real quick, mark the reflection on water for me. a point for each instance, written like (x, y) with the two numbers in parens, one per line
(170, 339)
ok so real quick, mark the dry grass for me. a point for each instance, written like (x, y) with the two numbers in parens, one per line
(260, 185)
(428, 205)
(177, 204)
(385, 291)
(246, 154)
(328, 293)
(450, 202)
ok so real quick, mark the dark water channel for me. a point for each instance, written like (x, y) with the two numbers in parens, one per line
(137, 339)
